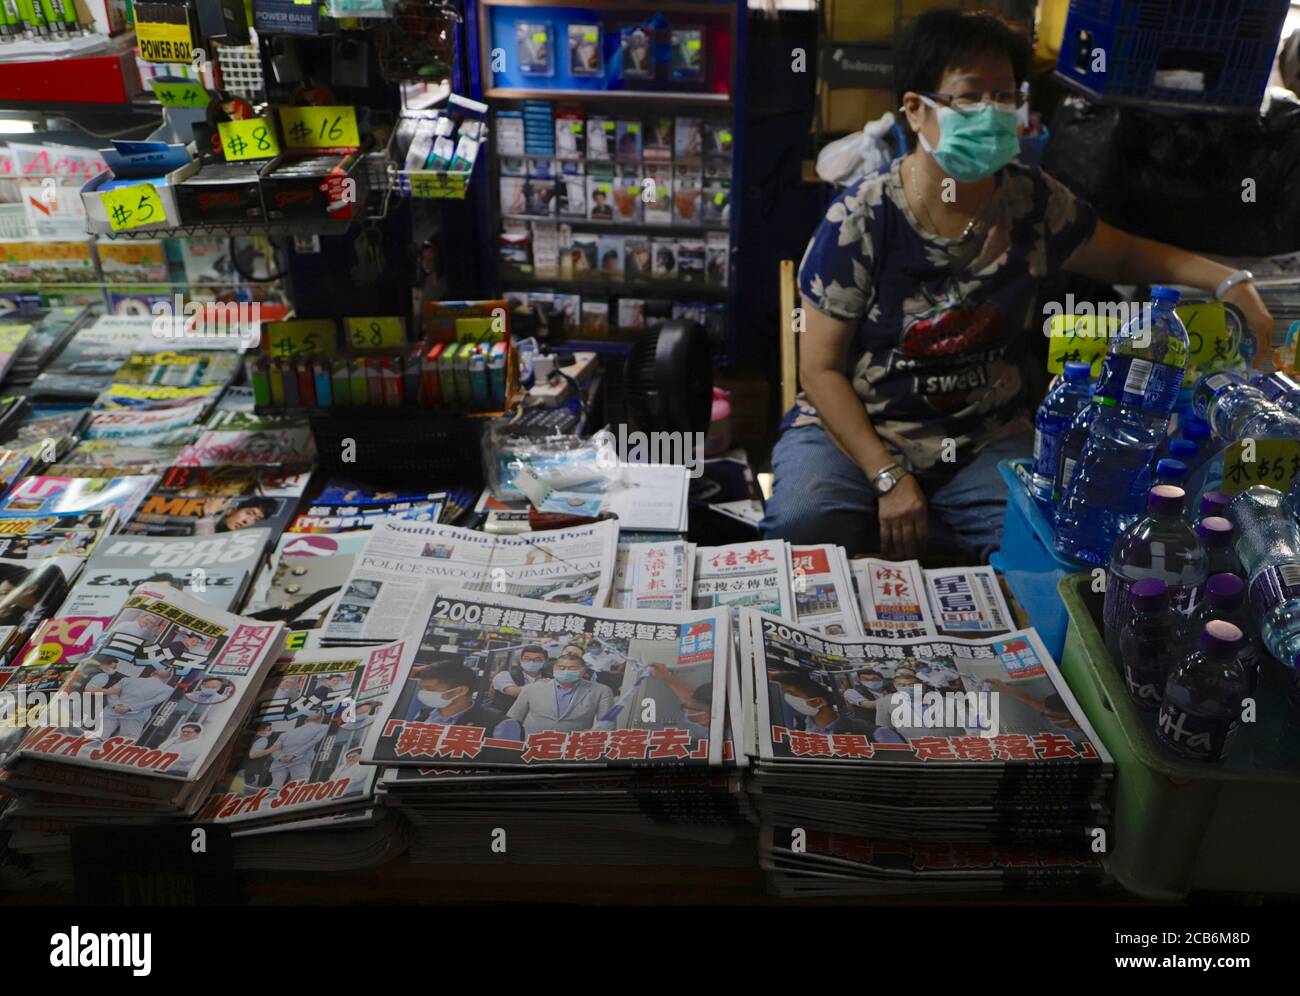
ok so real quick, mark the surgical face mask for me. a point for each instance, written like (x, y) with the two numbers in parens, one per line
(532, 667)
(973, 144)
(801, 706)
(568, 677)
(875, 686)
(435, 700)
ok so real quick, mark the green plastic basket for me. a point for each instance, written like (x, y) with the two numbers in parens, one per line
(1178, 826)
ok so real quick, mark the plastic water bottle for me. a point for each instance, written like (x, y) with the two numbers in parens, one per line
(1217, 536)
(1232, 407)
(1213, 503)
(1159, 545)
(1279, 387)
(1197, 433)
(1136, 394)
(1293, 498)
(1072, 443)
(1186, 451)
(1050, 425)
(1225, 598)
(1171, 471)
(1268, 543)
(1201, 708)
(1148, 643)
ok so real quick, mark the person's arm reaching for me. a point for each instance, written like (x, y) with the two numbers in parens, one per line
(1115, 257)
(823, 354)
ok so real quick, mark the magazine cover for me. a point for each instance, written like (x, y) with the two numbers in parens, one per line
(300, 751)
(30, 591)
(172, 673)
(574, 566)
(883, 701)
(304, 578)
(134, 422)
(967, 600)
(215, 570)
(285, 445)
(753, 575)
(892, 597)
(823, 590)
(507, 682)
(33, 496)
(75, 534)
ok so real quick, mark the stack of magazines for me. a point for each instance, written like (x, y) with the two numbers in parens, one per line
(910, 766)
(141, 728)
(557, 733)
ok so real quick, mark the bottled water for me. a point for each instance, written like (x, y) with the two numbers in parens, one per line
(1135, 395)
(1213, 503)
(1271, 423)
(1225, 598)
(1160, 545)
(1268, 543)
(1197, 433)
(1171, 471)
(1201, 707)
(1185, 451)
(1217, 536)
(1076, 436)
(1279, 387)
(1232, 407)
(1050, 425)
(1293, 499)
(1148, 643)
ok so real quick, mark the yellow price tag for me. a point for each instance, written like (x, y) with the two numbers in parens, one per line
(633, 129)
(590, 36)
(539, 37)
(725, 137)
(446, 186)
(382, 332)
(300, 336)
(320, 127)
(133, 207)
(164, 42)
(1210, 338)
(184, 93)
(1272, 462)
(251, 139)
(1079, 339)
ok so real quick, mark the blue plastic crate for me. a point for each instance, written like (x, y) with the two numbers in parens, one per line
(1231, 42)
(1029, 561)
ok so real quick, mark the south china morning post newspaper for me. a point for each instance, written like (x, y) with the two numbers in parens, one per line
(506, 682)
(826, 699)
(301, 748)
(173, 673)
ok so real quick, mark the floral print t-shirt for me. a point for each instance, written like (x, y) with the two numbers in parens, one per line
(941, 322)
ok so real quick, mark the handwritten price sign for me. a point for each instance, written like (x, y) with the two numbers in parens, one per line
(251, 139)
(300, 337)
(133, 207)
(182, 93)
(1271, 462)
(332, 127)
(385, 332)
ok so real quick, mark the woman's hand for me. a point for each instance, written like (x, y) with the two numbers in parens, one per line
(1258, 320)
(902, 520)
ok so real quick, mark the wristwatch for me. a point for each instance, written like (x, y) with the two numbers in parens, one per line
(887, 479)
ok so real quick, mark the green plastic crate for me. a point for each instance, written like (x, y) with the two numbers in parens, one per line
(1179, 826)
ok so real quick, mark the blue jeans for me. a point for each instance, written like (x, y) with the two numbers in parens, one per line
(819, 495)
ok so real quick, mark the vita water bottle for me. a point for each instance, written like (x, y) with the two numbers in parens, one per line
(1135, 395)
(1225, 598)
(1160, 545)
(1148, 643)
(1268, 543)
(1054, 417)
(1201, 708)
(1217, 536)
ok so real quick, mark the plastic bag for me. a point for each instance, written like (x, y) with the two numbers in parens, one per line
(848, 159)
(560, 462)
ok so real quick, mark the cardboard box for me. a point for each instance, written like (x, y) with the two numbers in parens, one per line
(849, 109)
(97, 222)
(313, 195)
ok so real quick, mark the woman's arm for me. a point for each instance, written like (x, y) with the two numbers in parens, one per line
(823, 354)
(1115, 257)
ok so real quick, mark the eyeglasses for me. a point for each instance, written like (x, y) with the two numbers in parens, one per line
(967, 103)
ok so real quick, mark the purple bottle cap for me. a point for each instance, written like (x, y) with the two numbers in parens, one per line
(1166, 499)
(1225, 591)
(1214, 502)
(1220, 638)
(1149, 595)
(1214, 530)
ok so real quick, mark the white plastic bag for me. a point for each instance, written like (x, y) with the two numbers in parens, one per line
(848, 159)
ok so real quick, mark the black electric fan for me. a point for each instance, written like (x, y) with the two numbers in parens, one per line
(668, 379)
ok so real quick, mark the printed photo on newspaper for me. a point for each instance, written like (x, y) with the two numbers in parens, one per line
(507, 682)
(995, 699)
(571, 566)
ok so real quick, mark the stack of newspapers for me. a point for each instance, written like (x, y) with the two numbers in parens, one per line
(140, 729)
(922, 764)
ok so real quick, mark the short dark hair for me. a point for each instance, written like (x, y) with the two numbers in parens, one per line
(703, 695)
(804, 684)
(943, 39)
(533, 648)
(267, 506)
(453, 674)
